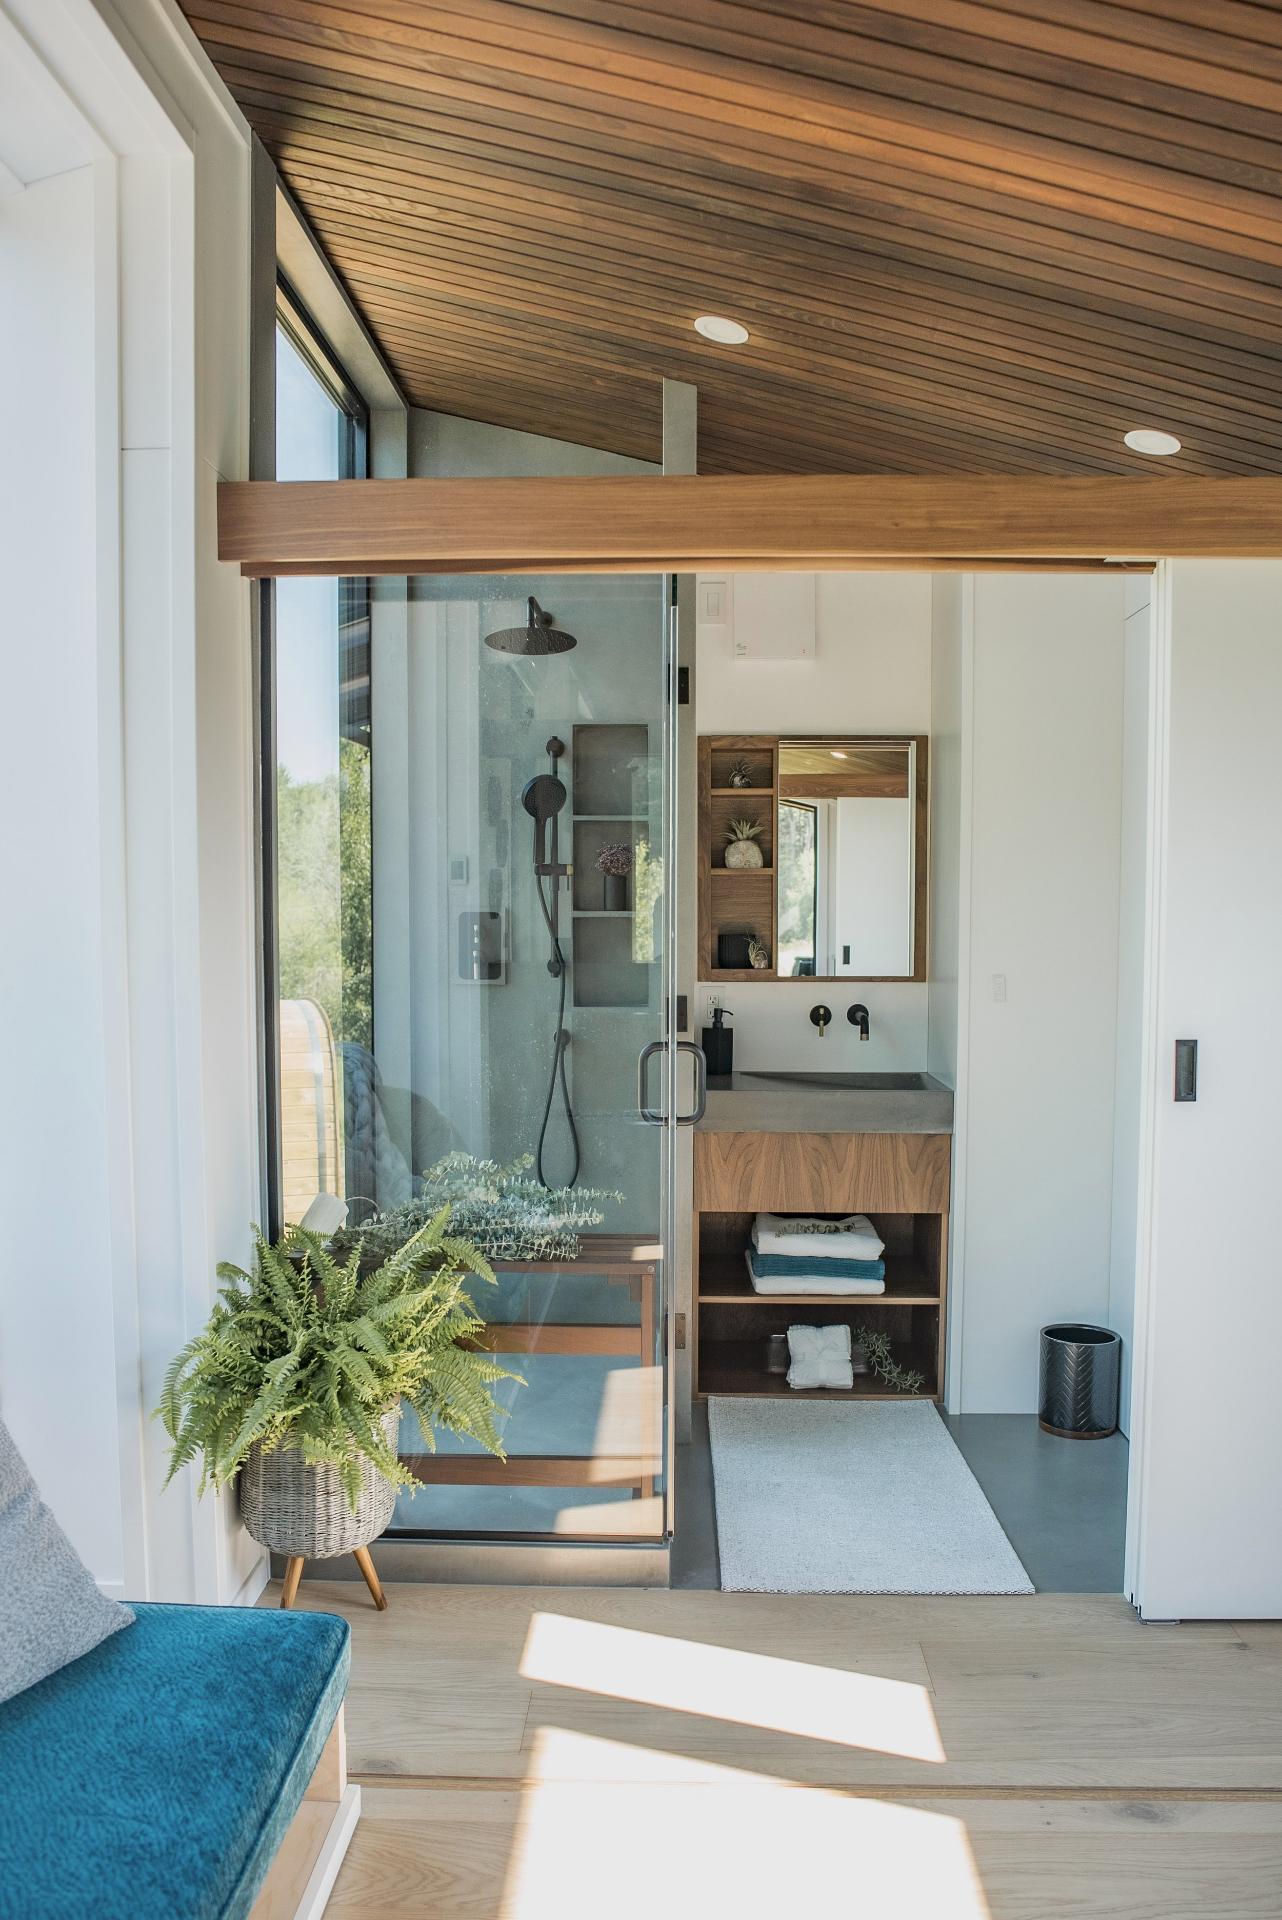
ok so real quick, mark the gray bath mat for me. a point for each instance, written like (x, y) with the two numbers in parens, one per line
(836, 1496)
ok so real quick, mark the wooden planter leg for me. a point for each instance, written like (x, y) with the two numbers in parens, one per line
(293, 1574)
(366, 1566)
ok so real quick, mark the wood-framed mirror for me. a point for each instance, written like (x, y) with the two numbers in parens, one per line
(813, 857)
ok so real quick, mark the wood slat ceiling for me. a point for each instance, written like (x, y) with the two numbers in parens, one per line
(965, 237)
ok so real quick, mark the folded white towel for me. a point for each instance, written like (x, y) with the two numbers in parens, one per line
(854, 1238)
(820, 1357)
(816, 1282)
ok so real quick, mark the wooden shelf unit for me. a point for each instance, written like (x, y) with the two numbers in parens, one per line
(738, 1367)
(735, 899)
(901, 1181)
(636, 1456)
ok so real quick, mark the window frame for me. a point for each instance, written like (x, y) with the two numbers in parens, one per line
(296, 323)
(294, 320)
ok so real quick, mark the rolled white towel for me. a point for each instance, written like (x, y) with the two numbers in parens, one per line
(853, 1238)
(820, 1357)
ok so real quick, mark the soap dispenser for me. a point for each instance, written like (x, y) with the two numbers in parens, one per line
(718, 1046)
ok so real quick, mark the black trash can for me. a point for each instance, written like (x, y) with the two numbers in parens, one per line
(1081, 1374)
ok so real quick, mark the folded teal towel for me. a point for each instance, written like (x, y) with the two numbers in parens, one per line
(779, 1266)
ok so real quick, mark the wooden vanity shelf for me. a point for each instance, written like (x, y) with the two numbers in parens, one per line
(735, 899)
(899, 1180)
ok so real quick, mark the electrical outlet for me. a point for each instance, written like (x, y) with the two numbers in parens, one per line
(999, 989)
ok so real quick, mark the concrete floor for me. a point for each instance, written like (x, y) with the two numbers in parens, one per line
(1062, 1503)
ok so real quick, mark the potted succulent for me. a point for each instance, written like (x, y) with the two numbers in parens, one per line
(614, 861)
(741, 844)
(295, 1385)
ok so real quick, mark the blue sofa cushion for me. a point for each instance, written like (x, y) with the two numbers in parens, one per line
(154, 1778)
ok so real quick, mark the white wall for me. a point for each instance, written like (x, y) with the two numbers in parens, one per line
(1206, 1481)
(952, 610)
(445, 444)
(1036, 1100)
(55, 1286)
(870, 674)
(146, 1062)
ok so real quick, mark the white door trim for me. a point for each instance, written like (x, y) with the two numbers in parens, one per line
(1152, 1073)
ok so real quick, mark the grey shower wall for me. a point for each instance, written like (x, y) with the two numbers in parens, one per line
(458, 730)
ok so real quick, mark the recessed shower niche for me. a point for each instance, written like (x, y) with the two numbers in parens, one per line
(616, 937)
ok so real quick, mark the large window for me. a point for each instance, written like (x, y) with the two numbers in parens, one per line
(324, 934)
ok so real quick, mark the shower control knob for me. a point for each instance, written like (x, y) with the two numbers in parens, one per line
(821, 1017)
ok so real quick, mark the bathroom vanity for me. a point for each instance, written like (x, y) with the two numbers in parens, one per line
(879, 1144)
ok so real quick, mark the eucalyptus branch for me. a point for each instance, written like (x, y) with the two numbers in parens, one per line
(881, 1358)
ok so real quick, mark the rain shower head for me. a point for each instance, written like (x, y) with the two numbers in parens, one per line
(537, 636)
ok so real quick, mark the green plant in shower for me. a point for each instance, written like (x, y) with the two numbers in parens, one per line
(500, 1210)
(647, 890)
(881, 1359)
(306, 1350)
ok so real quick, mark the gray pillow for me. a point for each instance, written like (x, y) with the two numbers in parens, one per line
(50, 1608)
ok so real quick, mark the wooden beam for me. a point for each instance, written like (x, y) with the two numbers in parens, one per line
(602, 1341)
(528, 1470)
(644, 523)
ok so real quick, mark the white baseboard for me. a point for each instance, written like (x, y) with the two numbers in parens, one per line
(252, 1586)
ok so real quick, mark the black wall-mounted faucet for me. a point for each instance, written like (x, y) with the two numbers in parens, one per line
(820, 1017)
(858, 1017)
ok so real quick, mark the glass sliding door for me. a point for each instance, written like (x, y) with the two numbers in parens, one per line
(509, 886)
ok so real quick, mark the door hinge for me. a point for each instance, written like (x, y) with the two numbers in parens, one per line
(680, 1332)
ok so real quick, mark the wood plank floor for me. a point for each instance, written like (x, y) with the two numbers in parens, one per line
(549, 1754)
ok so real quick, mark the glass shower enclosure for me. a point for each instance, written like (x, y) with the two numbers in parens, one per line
(484, 1008)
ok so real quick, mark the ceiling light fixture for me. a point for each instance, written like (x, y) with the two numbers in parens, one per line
(1150, 440)
(726, 333)
(837, 754)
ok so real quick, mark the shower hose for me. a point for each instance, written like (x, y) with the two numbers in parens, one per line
(556, 966)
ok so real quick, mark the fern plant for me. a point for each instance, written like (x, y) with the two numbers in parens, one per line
(308, 1351)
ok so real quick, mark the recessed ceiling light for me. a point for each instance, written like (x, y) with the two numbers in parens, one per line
(1150, 440)
(726, 333)
(837, 754)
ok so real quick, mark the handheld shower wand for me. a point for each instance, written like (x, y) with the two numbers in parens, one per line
(543, 798)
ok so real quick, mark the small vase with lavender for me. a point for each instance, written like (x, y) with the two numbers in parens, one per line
(614, 862)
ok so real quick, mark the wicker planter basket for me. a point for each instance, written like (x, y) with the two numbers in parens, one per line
(295, 1509)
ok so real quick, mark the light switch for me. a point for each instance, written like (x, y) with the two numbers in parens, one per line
(999, 989)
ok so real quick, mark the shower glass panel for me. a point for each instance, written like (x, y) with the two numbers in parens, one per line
(520, 885)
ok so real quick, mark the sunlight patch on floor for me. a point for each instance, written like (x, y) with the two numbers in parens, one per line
(728, 1843)
(723, 1683)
